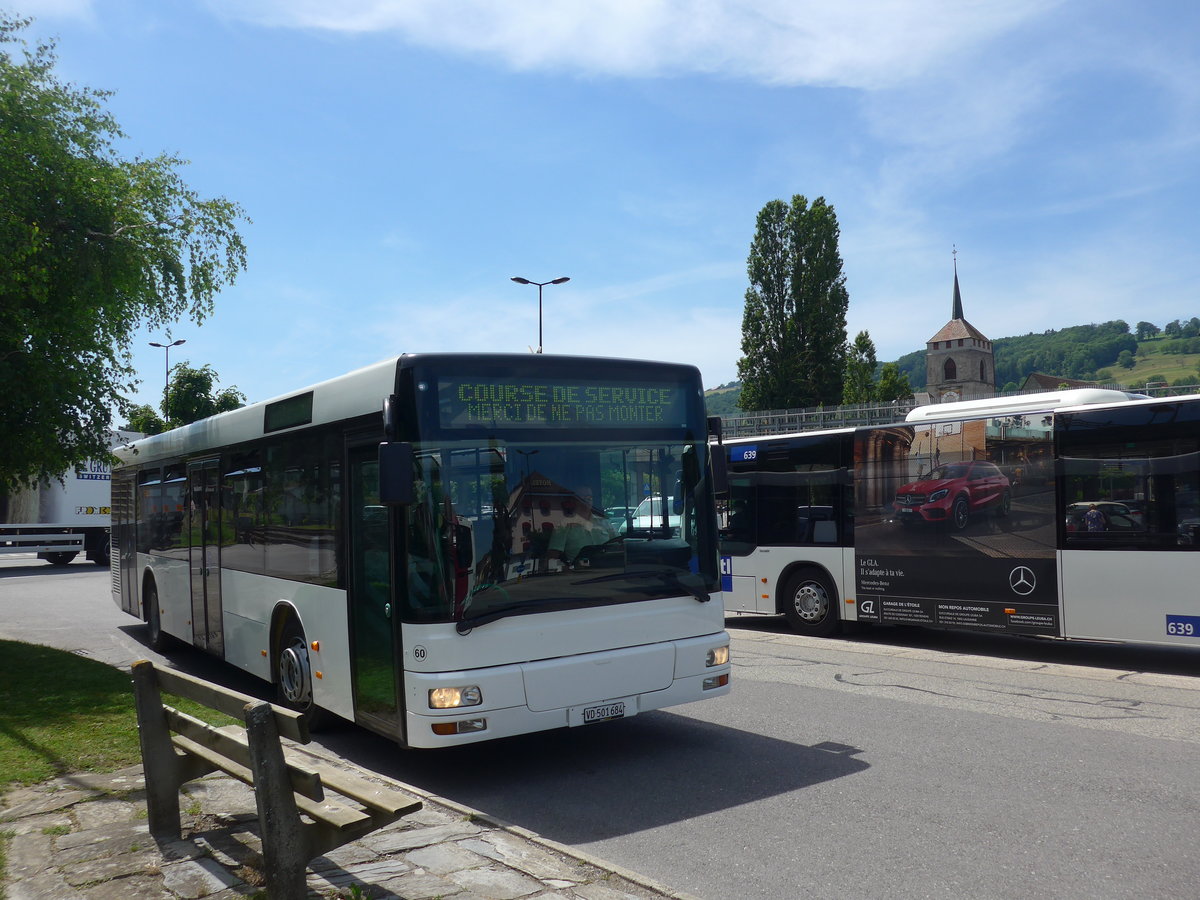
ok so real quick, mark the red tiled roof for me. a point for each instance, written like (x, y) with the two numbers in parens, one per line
(956, 329)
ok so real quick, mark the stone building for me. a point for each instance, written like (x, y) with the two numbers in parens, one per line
(959, 363)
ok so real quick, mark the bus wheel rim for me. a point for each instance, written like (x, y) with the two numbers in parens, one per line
(293, 673)
(811, 603)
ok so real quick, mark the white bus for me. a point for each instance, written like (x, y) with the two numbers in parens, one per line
(1073, 514)
(420, 546)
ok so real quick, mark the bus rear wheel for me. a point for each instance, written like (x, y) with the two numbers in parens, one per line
(158, 639)
(293, 674)
(809, 603)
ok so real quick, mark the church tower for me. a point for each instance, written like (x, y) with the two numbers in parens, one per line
(959, 364)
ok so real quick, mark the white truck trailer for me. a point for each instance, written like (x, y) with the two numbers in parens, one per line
(58, 520)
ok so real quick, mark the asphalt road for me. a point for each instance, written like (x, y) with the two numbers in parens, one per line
(899, 763)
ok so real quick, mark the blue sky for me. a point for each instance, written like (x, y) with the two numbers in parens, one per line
(402, 159)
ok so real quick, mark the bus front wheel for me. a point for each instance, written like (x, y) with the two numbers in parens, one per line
(293, 674)
(810, 605)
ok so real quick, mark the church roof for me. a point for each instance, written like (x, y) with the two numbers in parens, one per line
(958, 327)
(1043, 382)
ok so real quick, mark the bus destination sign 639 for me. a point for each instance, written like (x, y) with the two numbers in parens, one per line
(553, 403)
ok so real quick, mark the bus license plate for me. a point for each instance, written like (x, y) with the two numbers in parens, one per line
(603, 712)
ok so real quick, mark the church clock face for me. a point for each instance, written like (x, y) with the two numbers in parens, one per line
(951, 397)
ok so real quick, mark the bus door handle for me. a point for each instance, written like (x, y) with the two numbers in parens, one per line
(387, 610)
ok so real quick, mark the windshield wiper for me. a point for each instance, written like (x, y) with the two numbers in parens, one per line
(671, 578)
(465, 625)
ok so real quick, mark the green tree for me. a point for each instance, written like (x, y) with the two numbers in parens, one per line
(145, 420)
(93, 245)
(1146, 330)
(893, 384)
(1125, 359)
(794, 322)
(859, 384)
(193, 395)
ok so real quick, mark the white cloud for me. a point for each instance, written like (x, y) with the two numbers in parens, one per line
(637, 320)
(861, 44)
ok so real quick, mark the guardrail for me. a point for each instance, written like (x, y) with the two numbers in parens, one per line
(814, 418)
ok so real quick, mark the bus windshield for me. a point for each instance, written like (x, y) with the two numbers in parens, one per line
(512, 527)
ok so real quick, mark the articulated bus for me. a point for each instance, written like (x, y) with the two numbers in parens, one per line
(420, 546)
(1073, 514)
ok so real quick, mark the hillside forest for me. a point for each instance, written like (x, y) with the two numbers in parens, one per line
(1107, 353)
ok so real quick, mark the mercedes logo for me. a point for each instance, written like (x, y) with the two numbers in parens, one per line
(1022, 580)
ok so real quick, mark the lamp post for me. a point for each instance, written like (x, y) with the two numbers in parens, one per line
(540, 284)
(167, 377)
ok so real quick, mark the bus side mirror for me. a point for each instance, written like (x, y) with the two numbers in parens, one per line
(716, 452)
(396, 474)
(720, 471)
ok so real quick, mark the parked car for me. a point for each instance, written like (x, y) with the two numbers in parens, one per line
(618, 514)
(953, 493)
(649, 514)
(1187, 507)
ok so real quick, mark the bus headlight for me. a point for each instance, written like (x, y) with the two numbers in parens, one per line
(454, 697)
(718, 656)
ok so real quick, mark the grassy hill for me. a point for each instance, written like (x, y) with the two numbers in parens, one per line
(1152, 361)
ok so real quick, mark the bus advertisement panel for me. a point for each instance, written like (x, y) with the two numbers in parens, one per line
(955, 524)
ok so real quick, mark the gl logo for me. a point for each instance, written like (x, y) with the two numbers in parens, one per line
(1022, 580)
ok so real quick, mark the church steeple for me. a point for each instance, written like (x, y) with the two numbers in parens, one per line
(957, 311)
(959, 361)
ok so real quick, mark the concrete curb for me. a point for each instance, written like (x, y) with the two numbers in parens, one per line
(573, 852)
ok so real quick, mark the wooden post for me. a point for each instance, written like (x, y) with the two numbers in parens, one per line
(159, 763)
(285, 845)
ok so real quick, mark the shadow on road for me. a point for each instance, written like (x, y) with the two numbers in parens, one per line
(43, 569)
(583, 784)
(1126, 657)
(595, 782)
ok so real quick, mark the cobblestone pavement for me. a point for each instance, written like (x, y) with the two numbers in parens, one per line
(86, 837)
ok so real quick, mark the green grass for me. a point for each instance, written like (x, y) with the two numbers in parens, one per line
(61, 713)
(1150, 361)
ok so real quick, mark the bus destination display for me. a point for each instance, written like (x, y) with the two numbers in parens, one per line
(556, 403)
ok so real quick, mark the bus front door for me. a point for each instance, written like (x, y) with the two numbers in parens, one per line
(373, 617)
(204, 554)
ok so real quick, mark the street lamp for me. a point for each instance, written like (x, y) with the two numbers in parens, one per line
(540, 284)
(167, 378)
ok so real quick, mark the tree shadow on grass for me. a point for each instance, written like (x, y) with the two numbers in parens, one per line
(61, 713)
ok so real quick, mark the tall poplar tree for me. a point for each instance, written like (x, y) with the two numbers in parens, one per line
(794, 323)
(860, 371)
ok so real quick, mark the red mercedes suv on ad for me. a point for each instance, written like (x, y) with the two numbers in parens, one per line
(954, 492)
